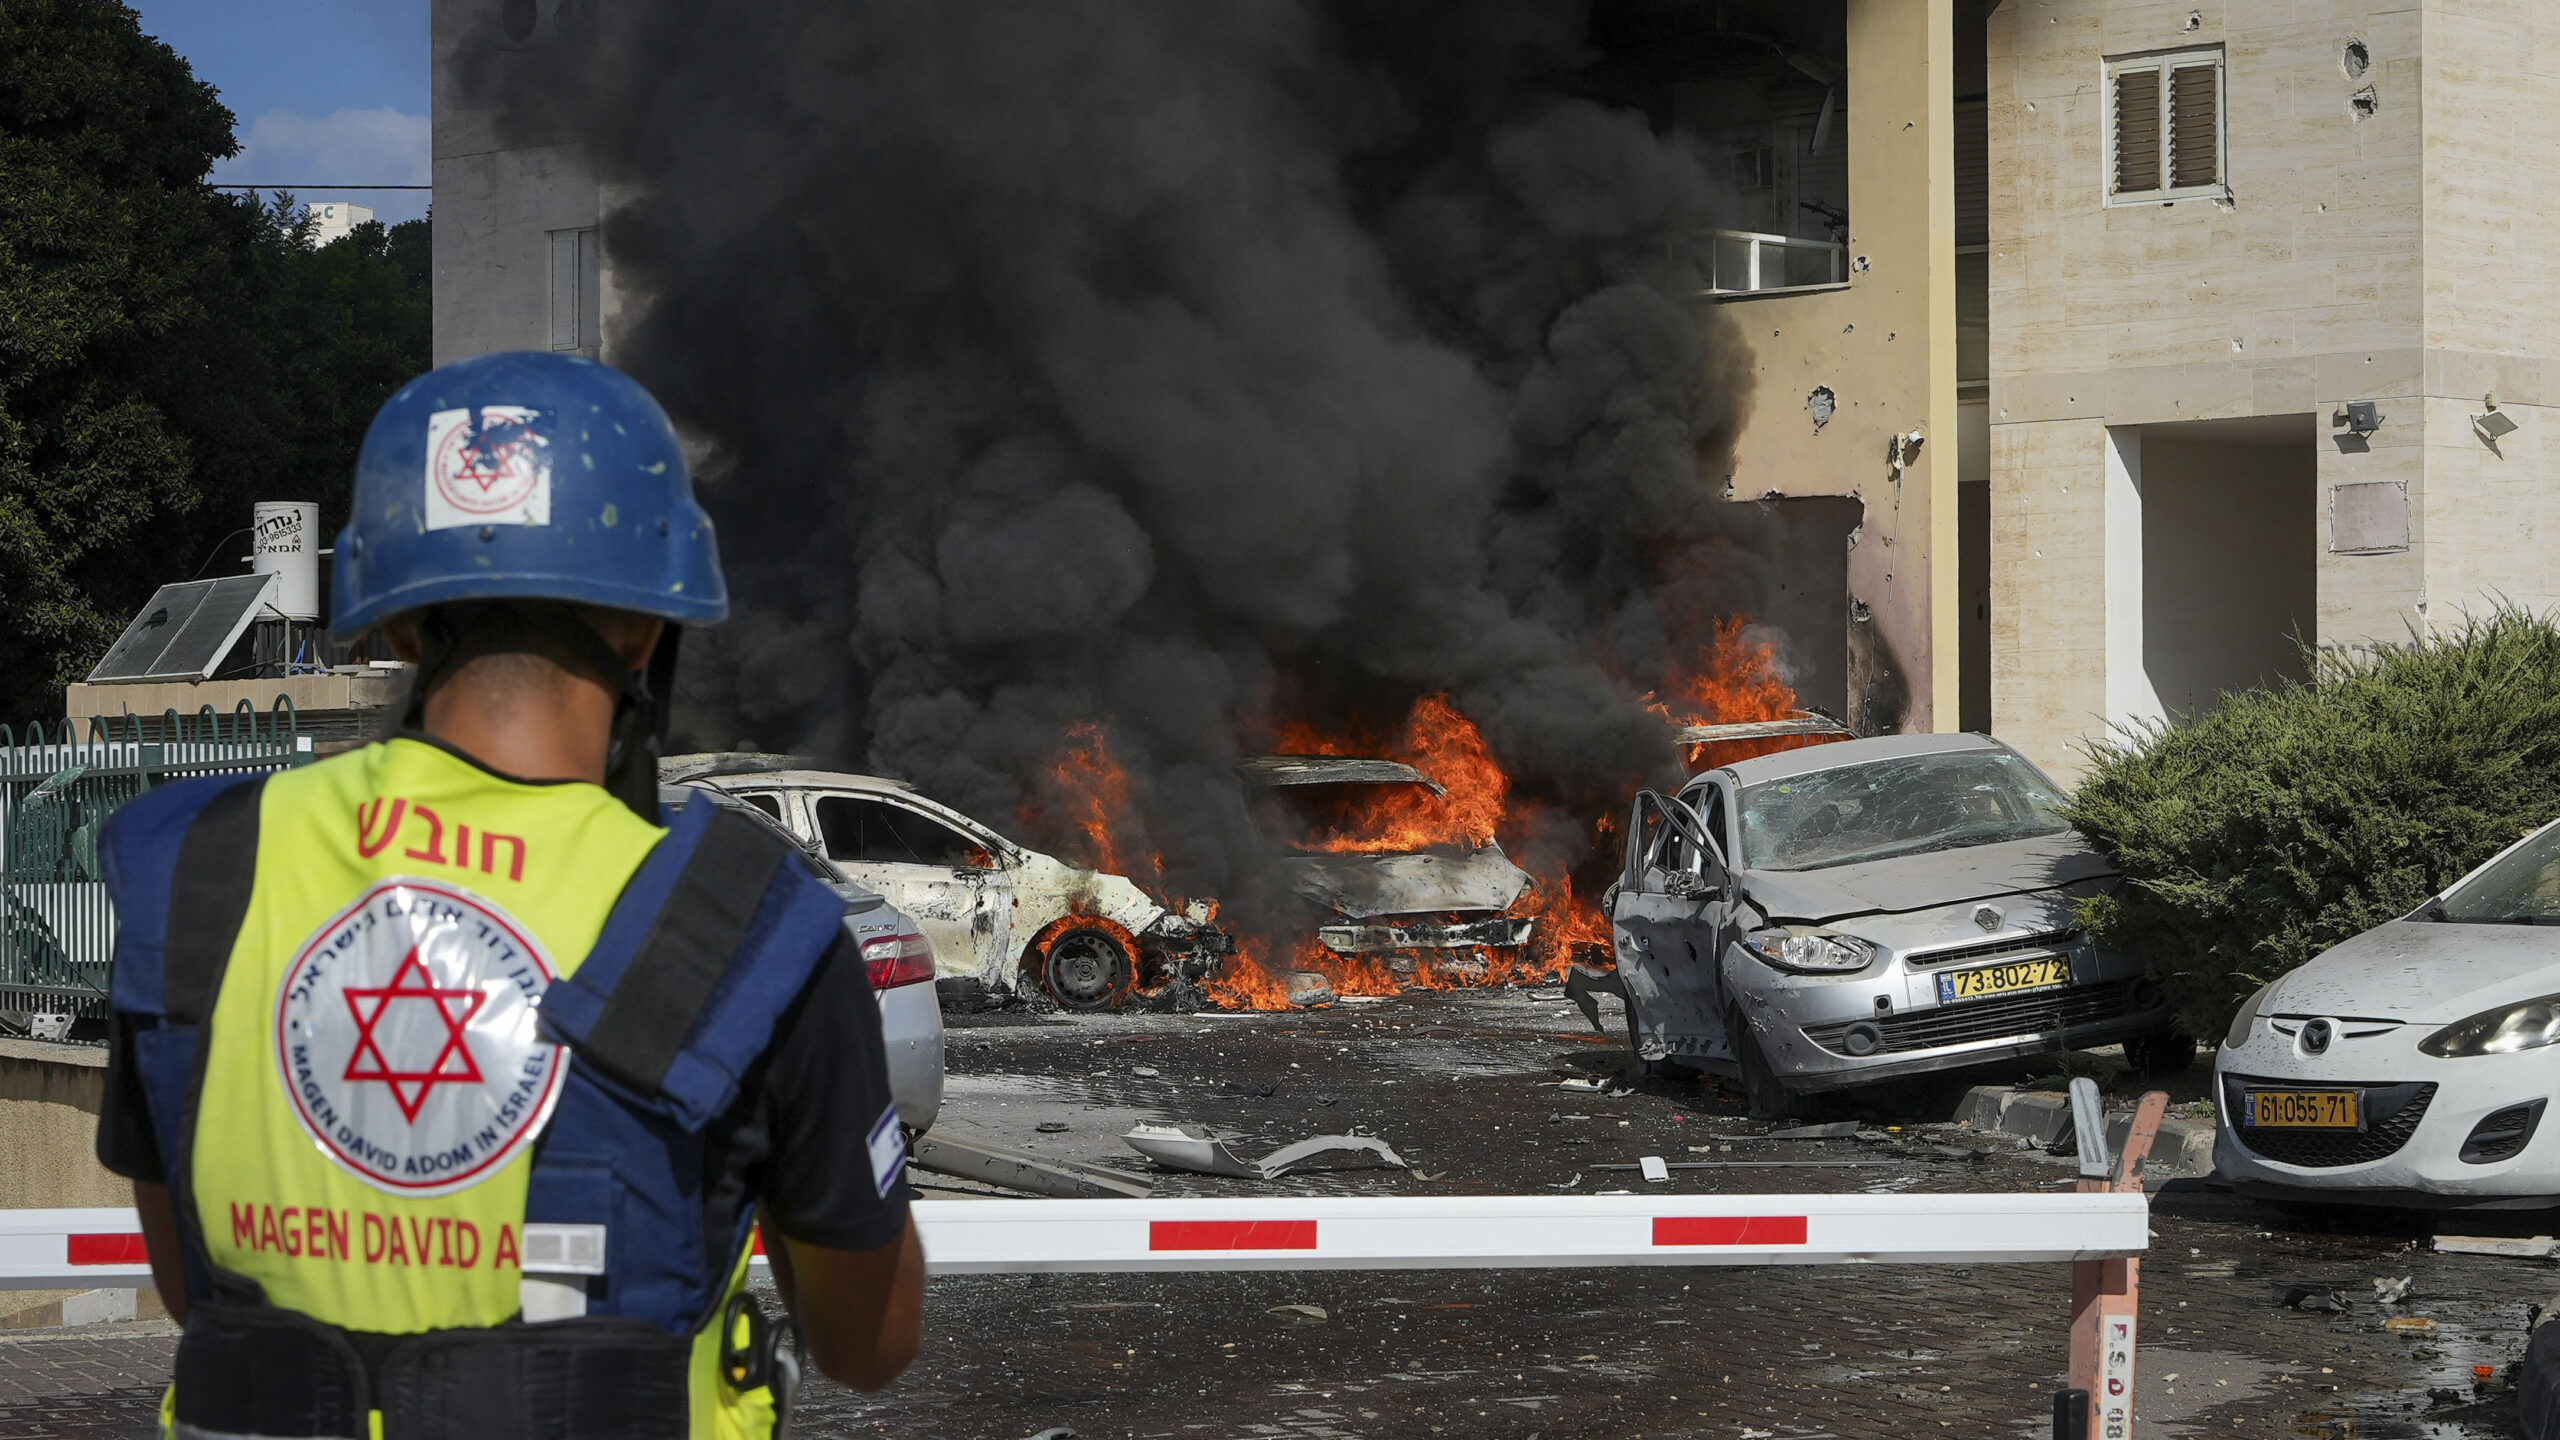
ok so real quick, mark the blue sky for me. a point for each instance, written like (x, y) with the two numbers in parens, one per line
(326, 91)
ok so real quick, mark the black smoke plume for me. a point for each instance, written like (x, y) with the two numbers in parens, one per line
(1170, 365)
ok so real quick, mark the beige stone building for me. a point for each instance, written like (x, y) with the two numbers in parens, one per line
(2269, 313)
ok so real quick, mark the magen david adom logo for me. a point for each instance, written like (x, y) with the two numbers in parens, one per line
(408, 1037)
(489, 466)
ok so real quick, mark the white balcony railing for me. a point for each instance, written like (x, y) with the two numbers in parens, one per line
(1744, 262)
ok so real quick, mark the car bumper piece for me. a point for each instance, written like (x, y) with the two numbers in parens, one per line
(1497, 931)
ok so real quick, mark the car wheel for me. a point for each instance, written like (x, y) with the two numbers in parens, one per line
(2161, 1052)
(1768, 1096)
(1086, 968)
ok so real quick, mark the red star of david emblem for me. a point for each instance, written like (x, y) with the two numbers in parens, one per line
(452, 1064)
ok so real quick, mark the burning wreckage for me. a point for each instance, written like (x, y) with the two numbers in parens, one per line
(1392, 891)
(1396, 899)
(997, 913)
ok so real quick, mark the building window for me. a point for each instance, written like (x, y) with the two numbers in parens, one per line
(2164, 126)
(576, 290)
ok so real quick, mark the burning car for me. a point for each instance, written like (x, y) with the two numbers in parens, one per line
(997, 912)
(1384, 874)
(1865, 910)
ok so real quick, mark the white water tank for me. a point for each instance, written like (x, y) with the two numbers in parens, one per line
(284, 540)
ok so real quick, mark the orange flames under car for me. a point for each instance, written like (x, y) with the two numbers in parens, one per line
(1735, 679)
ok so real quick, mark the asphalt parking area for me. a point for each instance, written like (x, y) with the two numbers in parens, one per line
(1464, 1088)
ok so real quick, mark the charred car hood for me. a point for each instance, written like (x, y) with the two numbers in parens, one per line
(1360, 886)
(2422, 970)
(1919, 882)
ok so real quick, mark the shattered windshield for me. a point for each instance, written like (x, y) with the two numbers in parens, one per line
(2521, 887)
(1896, 807)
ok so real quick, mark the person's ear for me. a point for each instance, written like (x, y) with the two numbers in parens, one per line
(637, 639)
(402, 632)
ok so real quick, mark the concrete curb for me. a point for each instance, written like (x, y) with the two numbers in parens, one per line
(2184, 1147)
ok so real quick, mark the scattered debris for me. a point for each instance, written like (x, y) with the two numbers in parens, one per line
(2540, 1247)
(1655, 1171)
(1756, 1164)
(942, 1154)
(1247, 1087)
(2308, 1297)
(1300, 1314)
(1307, 988)
(2391, 1292)
(1147, 1071)
(1584, 985)
(2410, 1325)
(1051, 1127)
(1056, 1432)
(1193, 1148)
(1569, 1184)
(1836, 1130)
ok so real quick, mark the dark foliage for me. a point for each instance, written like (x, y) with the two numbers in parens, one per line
(2284, 821)
(168, 353)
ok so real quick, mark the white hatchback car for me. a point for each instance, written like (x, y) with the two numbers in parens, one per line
(2411, 1065)
(998, 913)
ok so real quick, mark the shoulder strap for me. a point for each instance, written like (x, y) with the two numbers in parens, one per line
(179, 861)
(714, 936)
(209, 898)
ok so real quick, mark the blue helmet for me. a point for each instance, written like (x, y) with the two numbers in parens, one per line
(529, 476)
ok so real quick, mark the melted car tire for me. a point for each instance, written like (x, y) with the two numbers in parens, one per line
(1767, 1096)
(1086, 967)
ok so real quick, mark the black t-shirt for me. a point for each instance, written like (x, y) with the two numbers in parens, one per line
(793, 1138)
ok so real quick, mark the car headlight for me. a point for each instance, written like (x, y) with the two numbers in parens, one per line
(2246, 1019)
(1809, 948)
(2525, 1026)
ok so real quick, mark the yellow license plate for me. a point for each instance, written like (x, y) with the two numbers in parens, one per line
(2044, 973)
(2305, 1109)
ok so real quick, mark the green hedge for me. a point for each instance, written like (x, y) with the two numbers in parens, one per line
(2283, 821)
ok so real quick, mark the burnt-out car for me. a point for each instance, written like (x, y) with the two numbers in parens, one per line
(1872, 909)
(1379, 870)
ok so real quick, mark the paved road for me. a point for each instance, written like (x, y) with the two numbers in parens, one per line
(1462, 1086)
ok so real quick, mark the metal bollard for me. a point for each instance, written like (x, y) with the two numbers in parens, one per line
(2071, 1415)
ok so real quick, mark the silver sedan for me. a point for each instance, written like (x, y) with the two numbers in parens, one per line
(1850, 913)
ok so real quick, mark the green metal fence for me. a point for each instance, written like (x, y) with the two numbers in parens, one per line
(56, 792)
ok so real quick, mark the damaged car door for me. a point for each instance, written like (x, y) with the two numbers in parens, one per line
(1665, 922)
(948, 881)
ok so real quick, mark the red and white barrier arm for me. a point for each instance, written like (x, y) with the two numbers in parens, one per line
(86, 1249)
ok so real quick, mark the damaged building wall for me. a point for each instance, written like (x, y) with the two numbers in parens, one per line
(2291, 287)
(2375, 239)
(1883, 347)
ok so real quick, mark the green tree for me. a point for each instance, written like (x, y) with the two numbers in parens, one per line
(168, 352)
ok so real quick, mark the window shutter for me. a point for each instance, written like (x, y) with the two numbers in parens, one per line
(2192, 129)
(2137, 99)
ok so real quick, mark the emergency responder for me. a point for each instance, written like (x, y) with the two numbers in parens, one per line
(451, 1074)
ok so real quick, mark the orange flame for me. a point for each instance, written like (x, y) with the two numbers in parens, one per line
(1737, 679)
(1091, 793)
(1439, 742)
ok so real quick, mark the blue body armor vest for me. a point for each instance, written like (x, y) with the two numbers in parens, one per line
(713, 937)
